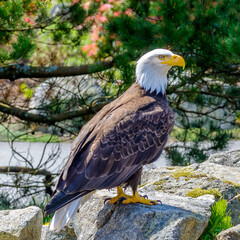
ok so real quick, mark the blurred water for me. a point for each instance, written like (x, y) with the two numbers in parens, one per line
(50, 156)
(34, 151)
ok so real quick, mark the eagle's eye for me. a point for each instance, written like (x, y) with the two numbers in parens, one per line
(161, 57)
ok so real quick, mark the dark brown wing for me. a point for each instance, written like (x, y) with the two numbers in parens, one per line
(125, 139)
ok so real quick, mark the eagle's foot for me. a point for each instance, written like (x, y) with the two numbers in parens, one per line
(120, 196)
(136, 198)
(146, 197)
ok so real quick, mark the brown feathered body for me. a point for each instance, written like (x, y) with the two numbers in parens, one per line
(114, 145)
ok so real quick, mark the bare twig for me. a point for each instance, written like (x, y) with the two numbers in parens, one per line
(237, 196)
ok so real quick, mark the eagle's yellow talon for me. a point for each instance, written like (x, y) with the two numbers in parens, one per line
(136, 198)
(120, 194)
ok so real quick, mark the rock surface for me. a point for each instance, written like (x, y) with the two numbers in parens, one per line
(224, 166)
(65, 234)
(220, 172)
(229, 234)
(177, 218)
(21, 224)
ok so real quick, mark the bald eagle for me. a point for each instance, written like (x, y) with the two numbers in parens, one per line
(118, 141)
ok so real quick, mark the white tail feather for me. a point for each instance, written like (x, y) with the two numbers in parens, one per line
(64, 215)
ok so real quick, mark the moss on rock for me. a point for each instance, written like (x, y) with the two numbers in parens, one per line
(159, 182)
(197, 192)
(187, 172)
(232, 183)
(158, 188)
(142, 185)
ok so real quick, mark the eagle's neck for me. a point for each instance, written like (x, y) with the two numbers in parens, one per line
(157, 96)
(152, 77)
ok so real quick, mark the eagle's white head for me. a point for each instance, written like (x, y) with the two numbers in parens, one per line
(152, 69)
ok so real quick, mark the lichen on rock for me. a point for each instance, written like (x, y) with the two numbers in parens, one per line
(197, 192)
(187, 173)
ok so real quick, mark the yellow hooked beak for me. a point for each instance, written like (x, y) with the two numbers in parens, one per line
(175, 60)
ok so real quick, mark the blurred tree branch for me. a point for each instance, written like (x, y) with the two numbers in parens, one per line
(48, 181)
(16, 169)
(52, 118)
(16, 71)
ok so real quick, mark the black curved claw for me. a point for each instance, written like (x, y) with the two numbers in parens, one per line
(159, 201)
(153, 202)
(107, 199)
(121, 199)
(145, 196)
